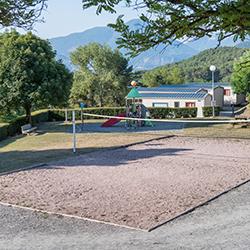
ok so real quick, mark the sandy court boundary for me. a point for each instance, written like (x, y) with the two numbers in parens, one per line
(138, 186)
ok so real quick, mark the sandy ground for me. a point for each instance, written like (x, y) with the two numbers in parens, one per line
(139, 186)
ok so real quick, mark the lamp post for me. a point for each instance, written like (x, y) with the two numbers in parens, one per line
(212, 69)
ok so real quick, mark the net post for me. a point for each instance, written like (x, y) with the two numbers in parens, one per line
(74, 130)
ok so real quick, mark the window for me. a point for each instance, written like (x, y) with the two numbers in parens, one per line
(227, 92)
(160, 104)
(176, 104)
(190, 104)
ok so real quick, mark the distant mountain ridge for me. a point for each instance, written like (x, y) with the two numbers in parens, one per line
(152, 58)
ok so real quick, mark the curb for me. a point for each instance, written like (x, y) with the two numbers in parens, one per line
(23, 169)
(198, 206)
(71, 216)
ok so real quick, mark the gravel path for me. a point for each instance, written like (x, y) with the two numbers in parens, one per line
(139, 186)
(222, 224)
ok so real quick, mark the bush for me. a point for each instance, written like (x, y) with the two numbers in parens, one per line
(3, 131)
(161, 113)
(59, 114)
(14, 127)
(208, 111)
(158, 113)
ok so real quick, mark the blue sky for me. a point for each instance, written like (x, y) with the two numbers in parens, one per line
(63, 17)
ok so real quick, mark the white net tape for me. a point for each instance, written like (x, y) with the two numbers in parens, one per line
(169, 120)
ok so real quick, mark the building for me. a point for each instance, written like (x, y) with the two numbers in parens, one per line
(189, 95)
(188, 88)
(177, 100)
(230, 97)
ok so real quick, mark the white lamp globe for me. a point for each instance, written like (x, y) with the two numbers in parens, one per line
(212, 68)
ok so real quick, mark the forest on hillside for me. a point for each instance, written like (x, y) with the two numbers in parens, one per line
(196, 68)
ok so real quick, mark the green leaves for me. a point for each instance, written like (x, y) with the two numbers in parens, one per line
(167, 21)
(241, 74)
(21, 13)
(101, 77)
(30, 77)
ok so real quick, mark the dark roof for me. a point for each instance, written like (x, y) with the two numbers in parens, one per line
(174, 95)
(183, 88)
(168, 89)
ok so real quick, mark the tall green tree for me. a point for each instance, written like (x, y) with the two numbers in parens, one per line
(30, 76)
(241, 74)
(101, 77)
(20, 13)
(165, 21)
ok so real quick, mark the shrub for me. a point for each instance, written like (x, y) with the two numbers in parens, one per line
(160, 113)
(14, 127)
(208, 111)
(59, 114)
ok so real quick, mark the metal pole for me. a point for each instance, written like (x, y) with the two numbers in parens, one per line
(81, 120)
(213, 93)
(66, 115)
(74, 130)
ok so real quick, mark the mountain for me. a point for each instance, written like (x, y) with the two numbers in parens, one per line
(104, 35)
(209, 43)
(245, 44)
(152, 58)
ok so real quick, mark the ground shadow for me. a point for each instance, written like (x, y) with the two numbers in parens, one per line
(108, 157)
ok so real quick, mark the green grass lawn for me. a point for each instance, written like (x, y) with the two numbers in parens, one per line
(217, 131)
(55, 142)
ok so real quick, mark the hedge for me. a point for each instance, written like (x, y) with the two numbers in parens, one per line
(158, 113)
(14, 127)
(59, 114)
(208, 111)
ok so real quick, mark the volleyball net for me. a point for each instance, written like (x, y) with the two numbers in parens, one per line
(201, 121)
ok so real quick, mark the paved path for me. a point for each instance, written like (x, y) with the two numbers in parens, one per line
(222, 224)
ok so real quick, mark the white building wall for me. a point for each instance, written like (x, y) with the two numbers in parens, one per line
(218, 95)
(149, 102)
(233, 98)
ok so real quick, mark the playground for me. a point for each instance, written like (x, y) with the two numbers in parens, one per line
(140, 186)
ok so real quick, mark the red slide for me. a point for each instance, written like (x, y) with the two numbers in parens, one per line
(112, 121)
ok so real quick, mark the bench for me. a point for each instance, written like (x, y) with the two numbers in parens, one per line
(242, 117)
(28, 129)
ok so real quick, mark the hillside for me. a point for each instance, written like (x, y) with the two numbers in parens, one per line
(196, 68)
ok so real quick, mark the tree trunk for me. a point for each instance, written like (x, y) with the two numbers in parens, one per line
(28, 113)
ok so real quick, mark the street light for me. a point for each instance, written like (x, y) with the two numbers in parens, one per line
(212, 69)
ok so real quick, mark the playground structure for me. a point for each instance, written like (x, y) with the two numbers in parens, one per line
(134, 109)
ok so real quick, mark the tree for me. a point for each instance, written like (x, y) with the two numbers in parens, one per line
(196, 68)
(30, 76)
(20, 13)
(165, 21)
(101, 77)
(241, 75)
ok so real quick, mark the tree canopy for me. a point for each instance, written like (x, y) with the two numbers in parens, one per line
(101, 77)
(20, 13)
(241, 74)
(30, 76)
(196, 68)
(165, 21)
